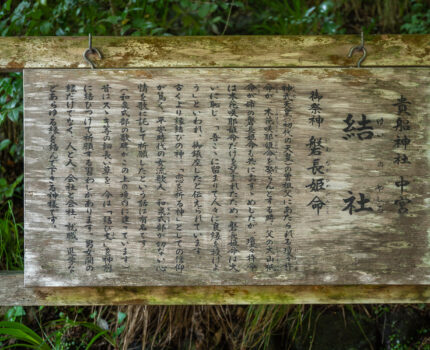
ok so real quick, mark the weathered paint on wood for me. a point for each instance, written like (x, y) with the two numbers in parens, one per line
(13, 292)
(65, 52)
(332, 248)
(17, 53)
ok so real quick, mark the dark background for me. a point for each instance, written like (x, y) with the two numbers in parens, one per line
(193, 327)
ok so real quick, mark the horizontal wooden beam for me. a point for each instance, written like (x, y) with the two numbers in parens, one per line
(17, 53)
(13, 292)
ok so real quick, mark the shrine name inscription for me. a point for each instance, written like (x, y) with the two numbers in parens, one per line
(226, 176)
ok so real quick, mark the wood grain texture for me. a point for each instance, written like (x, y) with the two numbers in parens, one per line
(13, 292)
(335, 248)
(17, 53)
(57, 52)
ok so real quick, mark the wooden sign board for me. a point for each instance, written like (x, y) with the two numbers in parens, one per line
(238, 176)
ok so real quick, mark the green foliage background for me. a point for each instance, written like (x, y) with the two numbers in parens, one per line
(187, 17)
(170, 17)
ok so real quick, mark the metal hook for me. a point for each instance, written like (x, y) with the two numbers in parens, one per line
(359, 48)
(91, 50)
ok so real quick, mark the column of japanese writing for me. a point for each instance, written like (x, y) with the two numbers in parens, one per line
(401, 142)
(215, 235)
(197, 168)
(125, 176)
(316, 150)
(88, 148)
(288, 96)
(363, 132)
(53, 156)
(71, 178)
(252, 163)
(161, 180)
(271, 172)
(107, 194)
(233, 184)
(179, 179)
(142, 156)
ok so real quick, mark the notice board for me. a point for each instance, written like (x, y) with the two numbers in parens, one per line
(226, 176)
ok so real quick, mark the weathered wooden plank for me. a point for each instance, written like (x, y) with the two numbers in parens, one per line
(17, 53)
(380, 239)
(391, 50)
(13, 292)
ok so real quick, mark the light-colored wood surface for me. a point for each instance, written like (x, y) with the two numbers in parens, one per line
(17, 53)
(13, 292)
(58, 52)
(336, 246)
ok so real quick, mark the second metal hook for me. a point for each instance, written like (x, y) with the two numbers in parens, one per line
(91, 50)
(359, 48)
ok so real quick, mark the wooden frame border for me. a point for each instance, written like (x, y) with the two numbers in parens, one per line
(17, 53)
(13, 292)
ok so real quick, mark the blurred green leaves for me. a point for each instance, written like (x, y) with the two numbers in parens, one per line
(116, 17)
(11, 240)
(11, 97)
(418, 21)
(295, 17)
(210, 17)
(13, 313)
(11, 138)
(7, 190)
